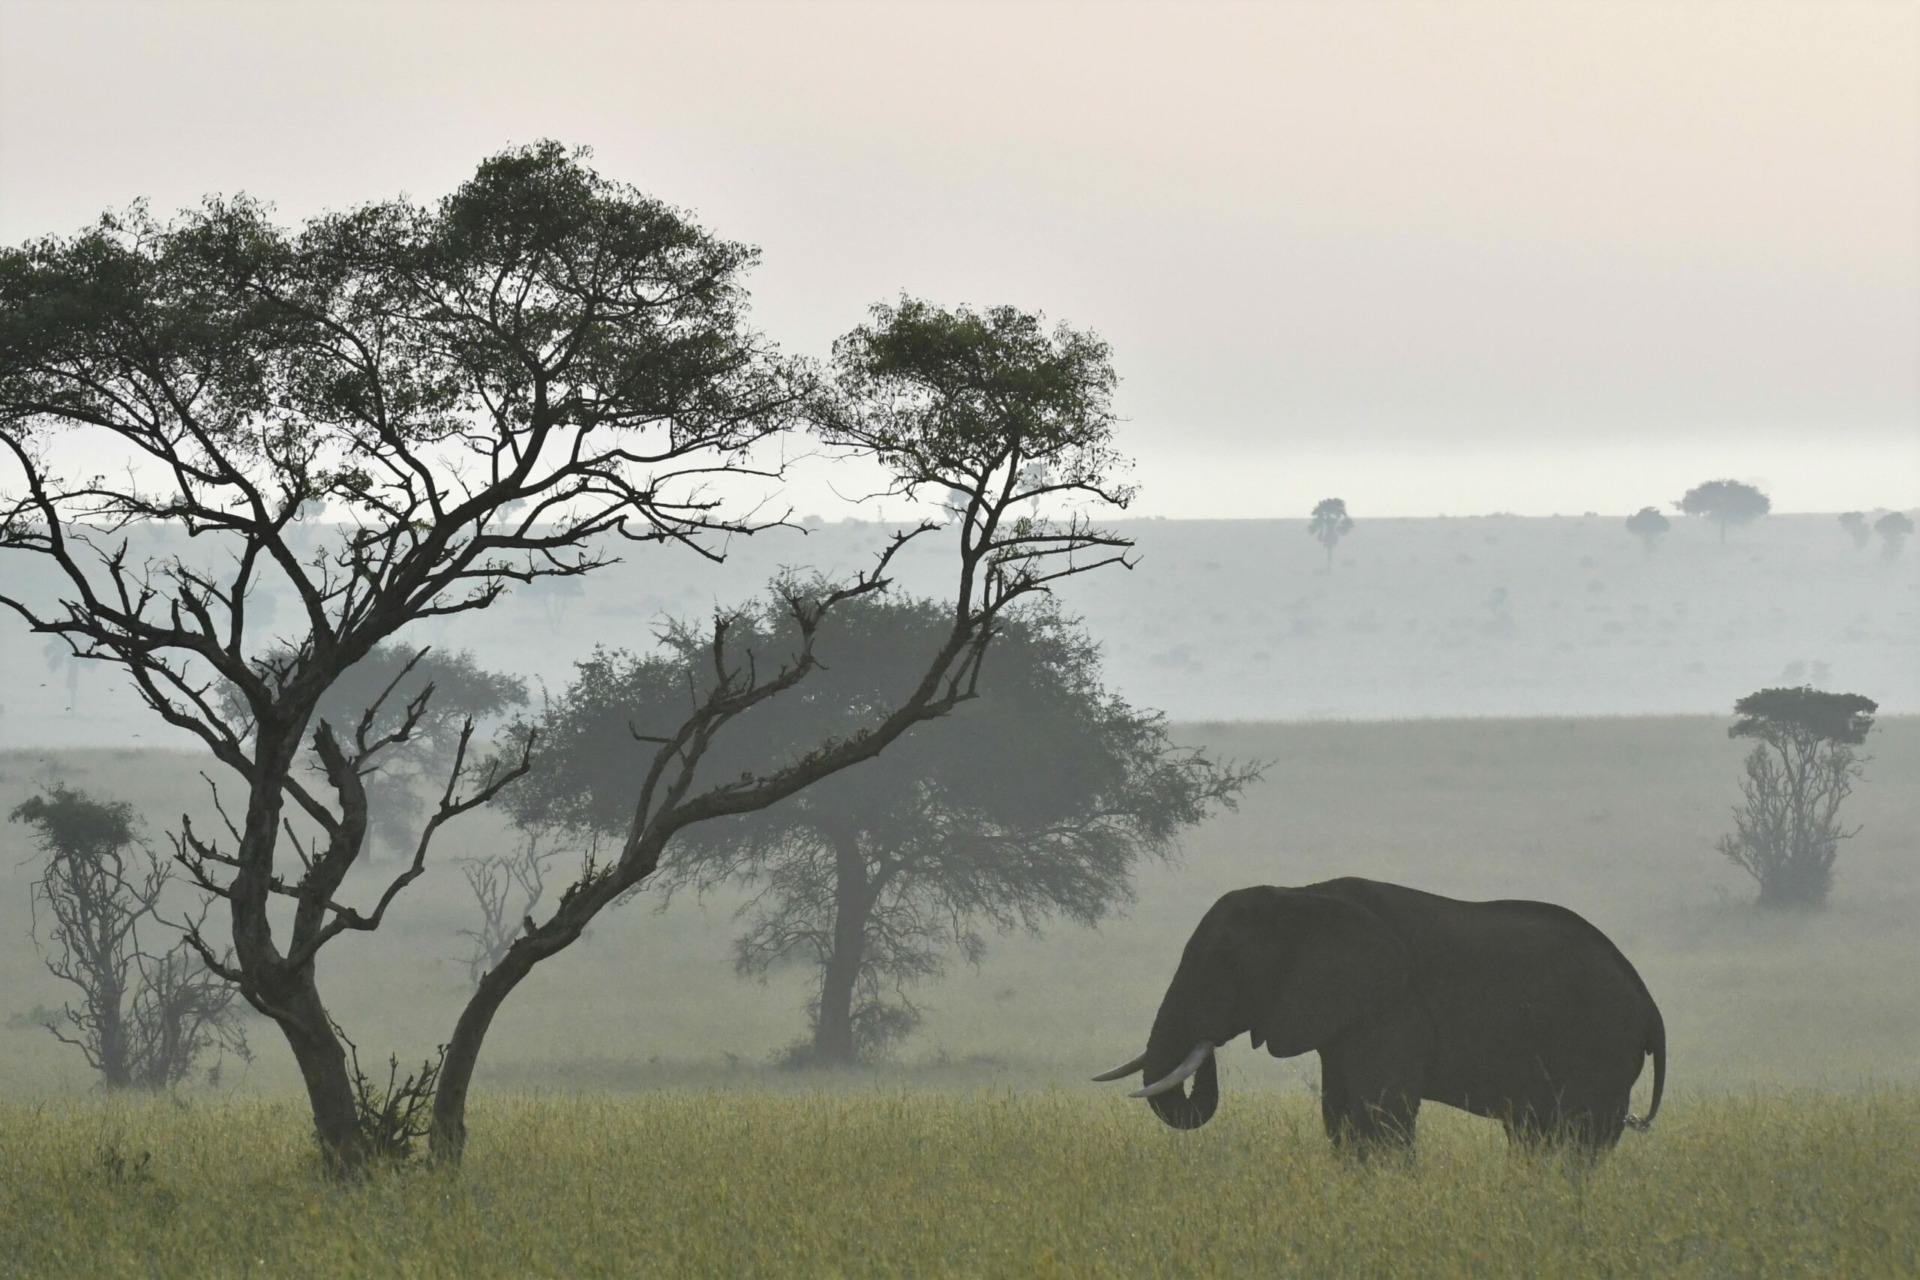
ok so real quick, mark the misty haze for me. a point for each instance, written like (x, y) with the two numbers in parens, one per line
(988, 640)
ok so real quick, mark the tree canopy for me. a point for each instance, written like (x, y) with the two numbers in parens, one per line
(1804, 712)
(1037, 798)
(1725, 502)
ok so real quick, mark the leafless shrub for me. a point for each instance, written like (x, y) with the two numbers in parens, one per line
(396, 1115)
(507, 887)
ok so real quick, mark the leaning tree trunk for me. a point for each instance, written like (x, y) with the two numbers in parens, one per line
(447, 1140)
(833, 1035)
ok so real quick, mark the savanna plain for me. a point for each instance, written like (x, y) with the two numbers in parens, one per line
(630, 1120)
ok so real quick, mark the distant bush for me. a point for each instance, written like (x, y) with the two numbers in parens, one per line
(1787, 833)
(144, 1018)
(1648, 525)
(1855, 523)
(1894, 529)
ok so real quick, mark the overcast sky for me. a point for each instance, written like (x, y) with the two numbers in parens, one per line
(1432, 258)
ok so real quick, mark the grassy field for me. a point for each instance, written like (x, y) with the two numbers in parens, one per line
(989, 1184)
(627, 1119)
(1615, 818)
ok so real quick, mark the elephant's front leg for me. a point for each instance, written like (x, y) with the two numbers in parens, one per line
(1370, 1086)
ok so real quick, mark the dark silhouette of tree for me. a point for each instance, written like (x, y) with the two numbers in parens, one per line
(1787, 831)
(392, 678)
(1329, 524)
(482, 391)
(1648, 525)
(947, 401)
(1036, 799)
(486, 392)
(1725, 502)
(145, 1018)
(1855, 523)
(1894, 529)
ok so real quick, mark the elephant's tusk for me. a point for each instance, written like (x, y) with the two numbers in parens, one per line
(1126, 1070)
(1179, 1074)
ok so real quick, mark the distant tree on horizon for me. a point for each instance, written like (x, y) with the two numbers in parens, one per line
(1648, 525)
(1330, 523)
(1894, 529)
(1855, 523)
(1725, 502)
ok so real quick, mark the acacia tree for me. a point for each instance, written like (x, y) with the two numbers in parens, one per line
(1329, 524)
(480, 391)
(1648, 525)
(1036, 799)
(1725, 502)
(948, 401)
(1787, 831)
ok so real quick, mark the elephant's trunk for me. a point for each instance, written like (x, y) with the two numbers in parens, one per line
(1179, 1107)
(1183, 1025)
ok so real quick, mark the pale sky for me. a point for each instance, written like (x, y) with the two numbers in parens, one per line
(1429, 257)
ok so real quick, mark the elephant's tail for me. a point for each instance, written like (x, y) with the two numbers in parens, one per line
(1657, 1046)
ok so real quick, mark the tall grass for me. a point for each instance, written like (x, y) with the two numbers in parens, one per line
(990, 1184)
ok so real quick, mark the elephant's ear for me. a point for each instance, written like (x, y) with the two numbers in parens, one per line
(1333, 963)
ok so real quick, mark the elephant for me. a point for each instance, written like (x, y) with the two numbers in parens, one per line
(1521, 1011)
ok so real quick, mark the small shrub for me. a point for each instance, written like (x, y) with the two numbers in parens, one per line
(396, 1115)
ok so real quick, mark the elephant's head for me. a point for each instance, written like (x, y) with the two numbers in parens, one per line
(1292, 967)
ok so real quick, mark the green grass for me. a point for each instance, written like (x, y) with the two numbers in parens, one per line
(990, 1183)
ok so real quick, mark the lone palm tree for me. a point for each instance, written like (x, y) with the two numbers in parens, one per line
(1330, 523)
